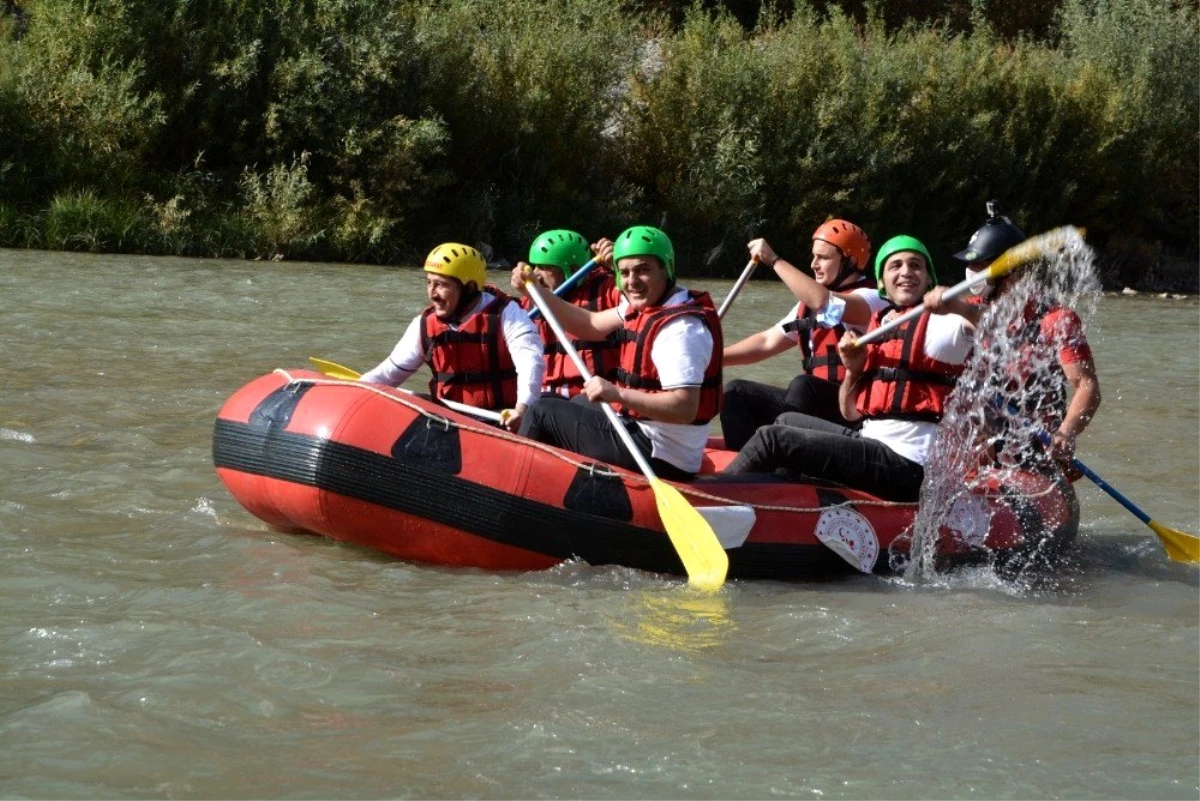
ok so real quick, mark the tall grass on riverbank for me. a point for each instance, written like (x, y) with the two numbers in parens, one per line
(351, 130)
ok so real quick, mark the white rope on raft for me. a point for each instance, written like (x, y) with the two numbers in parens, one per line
(566, 456)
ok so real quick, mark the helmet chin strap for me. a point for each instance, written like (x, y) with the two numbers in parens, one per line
(847, 269)
(469, 295)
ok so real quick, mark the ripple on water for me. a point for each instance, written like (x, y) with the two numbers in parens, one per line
(10, 435)
(157, 641)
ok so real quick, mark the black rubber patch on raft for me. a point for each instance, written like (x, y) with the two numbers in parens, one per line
(275, 410)
(598, 491)
(432, 444)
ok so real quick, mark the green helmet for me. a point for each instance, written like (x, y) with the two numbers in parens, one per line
(643, 240)
(898, 244)
(564, 249)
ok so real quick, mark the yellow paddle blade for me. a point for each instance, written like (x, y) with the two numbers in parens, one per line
(1032, 248)
(1180, 547)
(333, 369)
(699, 549)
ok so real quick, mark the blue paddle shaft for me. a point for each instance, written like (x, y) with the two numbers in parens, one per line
(1111, 490)
(1101, 483)
(569, 284)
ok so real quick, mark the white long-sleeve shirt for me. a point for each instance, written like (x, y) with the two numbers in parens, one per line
(522, 337)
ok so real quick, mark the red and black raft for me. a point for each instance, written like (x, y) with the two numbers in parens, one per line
(390, 471)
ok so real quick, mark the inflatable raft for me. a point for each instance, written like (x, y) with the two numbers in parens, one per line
(387, 470)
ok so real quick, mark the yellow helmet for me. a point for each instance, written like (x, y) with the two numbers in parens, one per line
(458, 261)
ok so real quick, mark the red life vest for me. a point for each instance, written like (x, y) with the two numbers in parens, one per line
(472, 364)
(637, 370)
(596, 293)
(899, 380)
(818, 344)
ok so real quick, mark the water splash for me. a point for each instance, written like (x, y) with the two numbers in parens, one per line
(1011, 390)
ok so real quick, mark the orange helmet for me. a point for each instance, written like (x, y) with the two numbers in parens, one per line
(847, 237)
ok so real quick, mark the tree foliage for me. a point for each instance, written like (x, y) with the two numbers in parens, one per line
(356, 130)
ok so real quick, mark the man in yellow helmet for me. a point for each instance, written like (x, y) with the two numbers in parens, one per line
(480, 345)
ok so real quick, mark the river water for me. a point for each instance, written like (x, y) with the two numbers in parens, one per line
(156, 641)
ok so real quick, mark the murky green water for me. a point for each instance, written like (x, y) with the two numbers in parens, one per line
(158, 642)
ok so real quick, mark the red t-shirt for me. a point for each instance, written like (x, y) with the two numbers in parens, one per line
(1063, 327)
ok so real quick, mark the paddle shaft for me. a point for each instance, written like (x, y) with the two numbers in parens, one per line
(572, 282)
(335, 370)
(474, 411)
(737, 287)
(916, 311)
(535, 293)
(1112, 491)
(1008, 261)
(1169, 537)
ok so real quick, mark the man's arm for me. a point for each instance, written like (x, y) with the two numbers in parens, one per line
(936, 304)
(405, 359)
(1085, 400)
(757, 347)
(854, 358)
(669, 406)
(681, 353)
(808, 290)
(584, 325)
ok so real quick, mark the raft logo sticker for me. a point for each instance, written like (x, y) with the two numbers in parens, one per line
(850, 535)
(969, 520)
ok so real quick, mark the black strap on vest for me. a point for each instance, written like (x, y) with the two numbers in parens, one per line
(807, 323)
(493, 377)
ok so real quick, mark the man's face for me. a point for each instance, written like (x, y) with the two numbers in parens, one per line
(644, 280)
(444, 293)
(906, 278)
(826, 262)
(548, 276)
(983, 288)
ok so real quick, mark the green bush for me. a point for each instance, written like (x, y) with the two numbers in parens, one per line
(85, 114)
(527, 89)
(83, 221)
(913, 130)
(281, 204)
(1147, 165)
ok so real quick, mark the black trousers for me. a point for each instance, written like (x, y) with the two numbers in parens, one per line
(816, 448)
(749, 404)
(583, 427)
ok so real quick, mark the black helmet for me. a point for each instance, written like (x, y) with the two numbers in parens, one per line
(996, 235)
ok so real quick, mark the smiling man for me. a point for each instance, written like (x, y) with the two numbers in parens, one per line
(481, 347)
(668, 384)
(897, 387)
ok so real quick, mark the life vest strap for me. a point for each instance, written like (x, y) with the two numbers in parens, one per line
(895, 374)
(476, 377)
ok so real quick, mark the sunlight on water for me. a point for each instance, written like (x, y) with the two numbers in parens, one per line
(1011, 392)
(16, 436)
(676, 619)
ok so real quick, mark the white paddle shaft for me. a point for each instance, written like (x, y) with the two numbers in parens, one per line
(535, 292)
